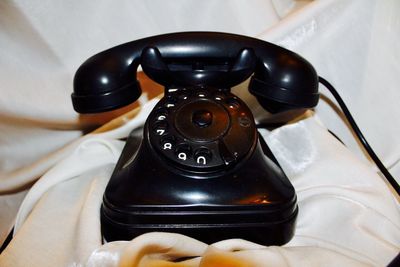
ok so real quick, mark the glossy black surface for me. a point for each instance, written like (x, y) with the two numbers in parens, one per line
(254, 201)
(195, 58)
(199, 168)
(239, 198)
(224, 136)
(154, 182)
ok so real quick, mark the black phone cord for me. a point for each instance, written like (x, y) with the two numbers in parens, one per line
(360, 136)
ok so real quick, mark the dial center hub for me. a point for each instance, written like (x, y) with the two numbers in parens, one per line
(202, 118)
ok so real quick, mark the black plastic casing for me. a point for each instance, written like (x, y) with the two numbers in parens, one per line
(220, 180)
(282, 79)
(254, 200)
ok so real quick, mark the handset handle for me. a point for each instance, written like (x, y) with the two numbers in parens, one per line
(108, 80)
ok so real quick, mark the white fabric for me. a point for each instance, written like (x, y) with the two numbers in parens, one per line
(44, 43)
(347, 216)
(352, 43)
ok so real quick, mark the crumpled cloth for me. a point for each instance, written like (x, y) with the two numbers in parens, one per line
(352, 43)
(347, 214)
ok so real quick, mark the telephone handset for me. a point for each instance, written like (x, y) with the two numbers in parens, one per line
(282, 80)
(200, 167)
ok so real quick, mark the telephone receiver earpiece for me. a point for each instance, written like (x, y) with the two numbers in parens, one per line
(282, 80)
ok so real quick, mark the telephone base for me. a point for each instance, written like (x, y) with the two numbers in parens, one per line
(255, 201)
(266, 233)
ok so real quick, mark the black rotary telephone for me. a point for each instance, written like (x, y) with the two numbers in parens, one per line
(200, 168)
